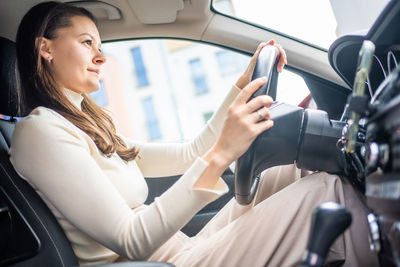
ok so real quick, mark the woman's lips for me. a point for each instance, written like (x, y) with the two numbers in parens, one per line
(96, 72)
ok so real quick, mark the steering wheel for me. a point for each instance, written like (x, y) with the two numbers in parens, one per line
(246, 175)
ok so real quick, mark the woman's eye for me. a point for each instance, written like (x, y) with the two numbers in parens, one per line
(88, 42)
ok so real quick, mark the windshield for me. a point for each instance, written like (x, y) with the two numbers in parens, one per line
(318, 22)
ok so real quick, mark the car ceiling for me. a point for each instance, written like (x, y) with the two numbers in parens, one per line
(194, 20)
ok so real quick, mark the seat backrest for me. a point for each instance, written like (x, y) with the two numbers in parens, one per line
(29, 233)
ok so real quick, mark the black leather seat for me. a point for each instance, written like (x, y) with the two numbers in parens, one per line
(29, 233)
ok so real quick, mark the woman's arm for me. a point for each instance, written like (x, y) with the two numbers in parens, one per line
(166, 159)
(56, 159)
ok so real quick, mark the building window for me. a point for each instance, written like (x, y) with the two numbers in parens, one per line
(198, 76)
(140, 69)
(207, 116)
(151, 118)
(100, 96)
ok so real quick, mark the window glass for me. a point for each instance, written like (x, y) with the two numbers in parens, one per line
(151, 118)
(292, 88)
(140, 69)
(188, 82)
(100, 96)
(198, 76)
(230, 62)
(207, 116)
(318, 22)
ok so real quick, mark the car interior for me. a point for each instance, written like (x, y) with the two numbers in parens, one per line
(352, 133)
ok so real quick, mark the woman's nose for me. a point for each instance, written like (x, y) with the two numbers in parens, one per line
(99, 58)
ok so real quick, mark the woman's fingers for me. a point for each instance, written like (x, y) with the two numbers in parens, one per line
(249, 89)
(244, 121)
(282, 58)
(245, 78)
(261, 46)
(256, 108)
(259, 102)
(263, 126)
(260, 115)
(253, 60)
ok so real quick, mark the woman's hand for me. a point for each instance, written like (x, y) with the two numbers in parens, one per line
(243, 123)
(245, 78)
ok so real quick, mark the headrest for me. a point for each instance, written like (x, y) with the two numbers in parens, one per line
(8, 83)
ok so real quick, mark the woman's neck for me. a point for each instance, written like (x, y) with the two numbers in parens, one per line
(75, 98)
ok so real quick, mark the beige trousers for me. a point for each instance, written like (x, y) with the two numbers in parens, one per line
(271, 231)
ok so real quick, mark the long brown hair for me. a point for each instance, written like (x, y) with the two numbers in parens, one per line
(38, 87)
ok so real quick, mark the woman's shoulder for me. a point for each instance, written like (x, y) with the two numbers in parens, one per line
(39, 118)
(43, 130)
(42, 122)
(43, 113)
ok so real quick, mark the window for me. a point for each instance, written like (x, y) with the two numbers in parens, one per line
(198, 76)
(318, 22)
(314, 19)
(100, 96)
(207, 116)
(168, 110)
(230, 62)
(292, 88)
(140, 68)
(151, 118)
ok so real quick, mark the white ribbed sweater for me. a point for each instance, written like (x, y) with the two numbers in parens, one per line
(97, 200)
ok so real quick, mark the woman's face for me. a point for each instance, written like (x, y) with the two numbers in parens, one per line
(75, 55)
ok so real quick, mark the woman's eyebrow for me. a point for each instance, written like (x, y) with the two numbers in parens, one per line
(91, 36)
(85, 33)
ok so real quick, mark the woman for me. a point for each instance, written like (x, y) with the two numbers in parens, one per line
(92, 179)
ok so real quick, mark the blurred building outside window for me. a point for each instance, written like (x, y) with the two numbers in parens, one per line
(140, 69)
(230, 62)
(198, 76)
(189, 82)
(100, 96)
(151, 118)
(207, 116)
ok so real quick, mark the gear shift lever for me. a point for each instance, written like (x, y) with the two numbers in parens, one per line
(329, 220)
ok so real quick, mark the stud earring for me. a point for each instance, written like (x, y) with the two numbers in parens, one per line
(49, 60)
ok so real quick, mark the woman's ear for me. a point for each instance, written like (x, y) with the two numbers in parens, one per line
(44, 45)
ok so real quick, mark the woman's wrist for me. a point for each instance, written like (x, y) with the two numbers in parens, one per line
(243, 80)
(217, 164)
(217, 159)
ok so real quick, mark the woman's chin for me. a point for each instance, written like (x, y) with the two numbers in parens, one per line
(92, 87)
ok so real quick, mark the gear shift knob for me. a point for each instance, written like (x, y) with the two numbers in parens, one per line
(329, 220)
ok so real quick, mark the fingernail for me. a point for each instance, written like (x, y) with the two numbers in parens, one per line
(264, 79)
